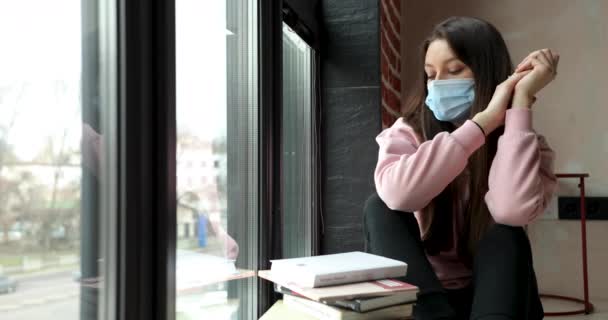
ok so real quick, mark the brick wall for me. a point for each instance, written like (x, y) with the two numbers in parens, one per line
(390, 59)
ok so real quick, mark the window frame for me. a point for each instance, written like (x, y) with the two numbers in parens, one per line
(273, 13)
(270, 86)
(143, 286)
(146, 236)
(309, 32)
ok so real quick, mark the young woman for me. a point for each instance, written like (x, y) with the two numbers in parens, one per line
(460, 174)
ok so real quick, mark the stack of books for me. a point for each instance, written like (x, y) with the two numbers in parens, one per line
(346, 286)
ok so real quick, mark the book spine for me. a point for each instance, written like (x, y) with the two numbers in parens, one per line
(285, 291)
(348, 304)
(315, 309)
(357, 276)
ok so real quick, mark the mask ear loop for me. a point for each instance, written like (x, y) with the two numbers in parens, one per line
(472, 94)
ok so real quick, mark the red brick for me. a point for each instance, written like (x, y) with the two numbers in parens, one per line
(389, 82)
(391, 27)
(396, 42)
(390, 58)
(383, 21)
(396, 24)
(390, 55)
(390, 110)
(384, 5)
(395, 17)
(395, 82)
(396, 4)
(387, 33)
(384, 65)
(393, 76)
(390, 98)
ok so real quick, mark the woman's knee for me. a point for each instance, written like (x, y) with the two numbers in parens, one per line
(375, 208)
(372, 210)
(389, 232)
(505, 239)
(374, 204)
(502, 232)
(377, 216)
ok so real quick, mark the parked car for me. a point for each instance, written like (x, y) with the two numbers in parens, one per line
(7, 285)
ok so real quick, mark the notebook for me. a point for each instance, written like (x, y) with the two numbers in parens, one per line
(362, 304)
(334, 269)
(349, 291)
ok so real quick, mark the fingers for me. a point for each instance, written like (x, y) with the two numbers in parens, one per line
(555, 62)
(515, 77)
(547, 57)
(518, 75)
(540, 62)
(554, 58)
(550, 59)
(524, 65)
(552, 54)
(533, 59)
(529, 56)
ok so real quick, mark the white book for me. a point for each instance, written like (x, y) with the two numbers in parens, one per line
(372, 288)
(321, 311)
(333, 269)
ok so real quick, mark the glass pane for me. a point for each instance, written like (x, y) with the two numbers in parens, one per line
(55, 126)
(297, 204)
(216, 78)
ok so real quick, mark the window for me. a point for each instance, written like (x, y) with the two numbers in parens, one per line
(218, 119)
(217, 122)
(88, 157)
(56, 159)
(298, 152)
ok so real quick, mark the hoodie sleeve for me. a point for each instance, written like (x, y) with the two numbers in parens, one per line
(521, 181)
(409, 174)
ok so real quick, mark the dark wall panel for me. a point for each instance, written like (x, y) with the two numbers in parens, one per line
(350, 117)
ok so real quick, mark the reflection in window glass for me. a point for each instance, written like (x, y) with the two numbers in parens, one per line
(216, 158)
(52, 124)
(297, 156)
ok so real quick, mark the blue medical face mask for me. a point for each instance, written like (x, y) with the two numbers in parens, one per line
(450, 99)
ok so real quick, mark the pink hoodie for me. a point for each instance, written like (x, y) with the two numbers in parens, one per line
(410, 173)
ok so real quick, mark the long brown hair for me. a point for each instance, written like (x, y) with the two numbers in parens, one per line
(480, 46)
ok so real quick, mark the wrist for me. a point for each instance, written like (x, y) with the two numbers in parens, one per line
(522, 100)
(486, 121)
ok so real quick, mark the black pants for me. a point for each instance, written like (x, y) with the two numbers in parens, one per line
(503, 287)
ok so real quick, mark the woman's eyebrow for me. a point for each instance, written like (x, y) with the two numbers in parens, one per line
(426, 64)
